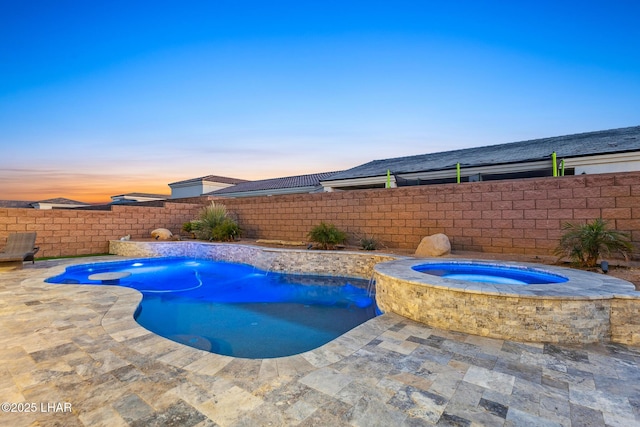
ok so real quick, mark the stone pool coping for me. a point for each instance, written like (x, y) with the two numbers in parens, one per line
(580, 284)
(588, 308)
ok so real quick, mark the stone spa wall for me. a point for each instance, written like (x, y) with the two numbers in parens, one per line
(587, 308)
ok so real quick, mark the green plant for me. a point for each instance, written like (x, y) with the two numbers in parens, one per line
(327, 236)
(189, 226)
(369, 243)
(227, 231)
(585, 243)
(214, 223)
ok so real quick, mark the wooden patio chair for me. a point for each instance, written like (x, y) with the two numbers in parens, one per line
(20, 247)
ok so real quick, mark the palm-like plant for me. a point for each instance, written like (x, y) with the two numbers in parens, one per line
(327, 235)
(585, 243)
(215, 223)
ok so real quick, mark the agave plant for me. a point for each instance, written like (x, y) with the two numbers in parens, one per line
(584, 244)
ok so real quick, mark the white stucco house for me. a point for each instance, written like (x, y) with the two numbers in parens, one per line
(196, 187)
(607, 151)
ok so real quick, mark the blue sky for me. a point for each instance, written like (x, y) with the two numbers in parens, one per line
(101, 98)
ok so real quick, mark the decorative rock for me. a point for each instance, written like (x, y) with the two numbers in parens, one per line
(435, 245)
(161, 234)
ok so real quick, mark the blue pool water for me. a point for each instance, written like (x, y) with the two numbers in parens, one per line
(487, 273)
(236, 309)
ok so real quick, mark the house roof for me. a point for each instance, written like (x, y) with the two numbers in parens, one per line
(61, 201)
(212, 178)
(54, 201)
(146, 195)
(297, 181)
(577, 145)
(15, 204)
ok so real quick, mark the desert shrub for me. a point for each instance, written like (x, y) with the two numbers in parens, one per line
(227, 231)
(584, 244)
(215, 223)
(327, 236)
(369, 243)
(190, 226)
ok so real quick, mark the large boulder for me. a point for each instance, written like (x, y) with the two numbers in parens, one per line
(434, 245)
(161, 234)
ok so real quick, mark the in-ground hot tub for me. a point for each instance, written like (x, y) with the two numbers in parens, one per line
(559, 305)
(490, 273)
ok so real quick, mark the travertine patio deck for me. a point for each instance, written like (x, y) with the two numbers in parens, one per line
(79, 345)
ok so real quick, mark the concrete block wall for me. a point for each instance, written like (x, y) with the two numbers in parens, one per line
(80, 232)
(512, 216)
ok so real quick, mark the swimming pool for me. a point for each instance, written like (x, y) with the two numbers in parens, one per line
(236, 309)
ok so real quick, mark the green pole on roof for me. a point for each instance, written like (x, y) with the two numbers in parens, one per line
(562, 167)
(388, 179)
(458, 172)
(555, 163)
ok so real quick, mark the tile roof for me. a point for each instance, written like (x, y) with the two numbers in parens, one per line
(297, 181)
(61, 201)
(212, 178)
(577, 145)
(149, 195)
(24, 204)
(15, 204)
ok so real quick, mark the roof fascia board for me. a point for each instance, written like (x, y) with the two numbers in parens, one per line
(632, 156)
(144, 199)
(348, 182)
(185, 184)
(447, 173)
(46, 205)
(273, 192)
(508, 167)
